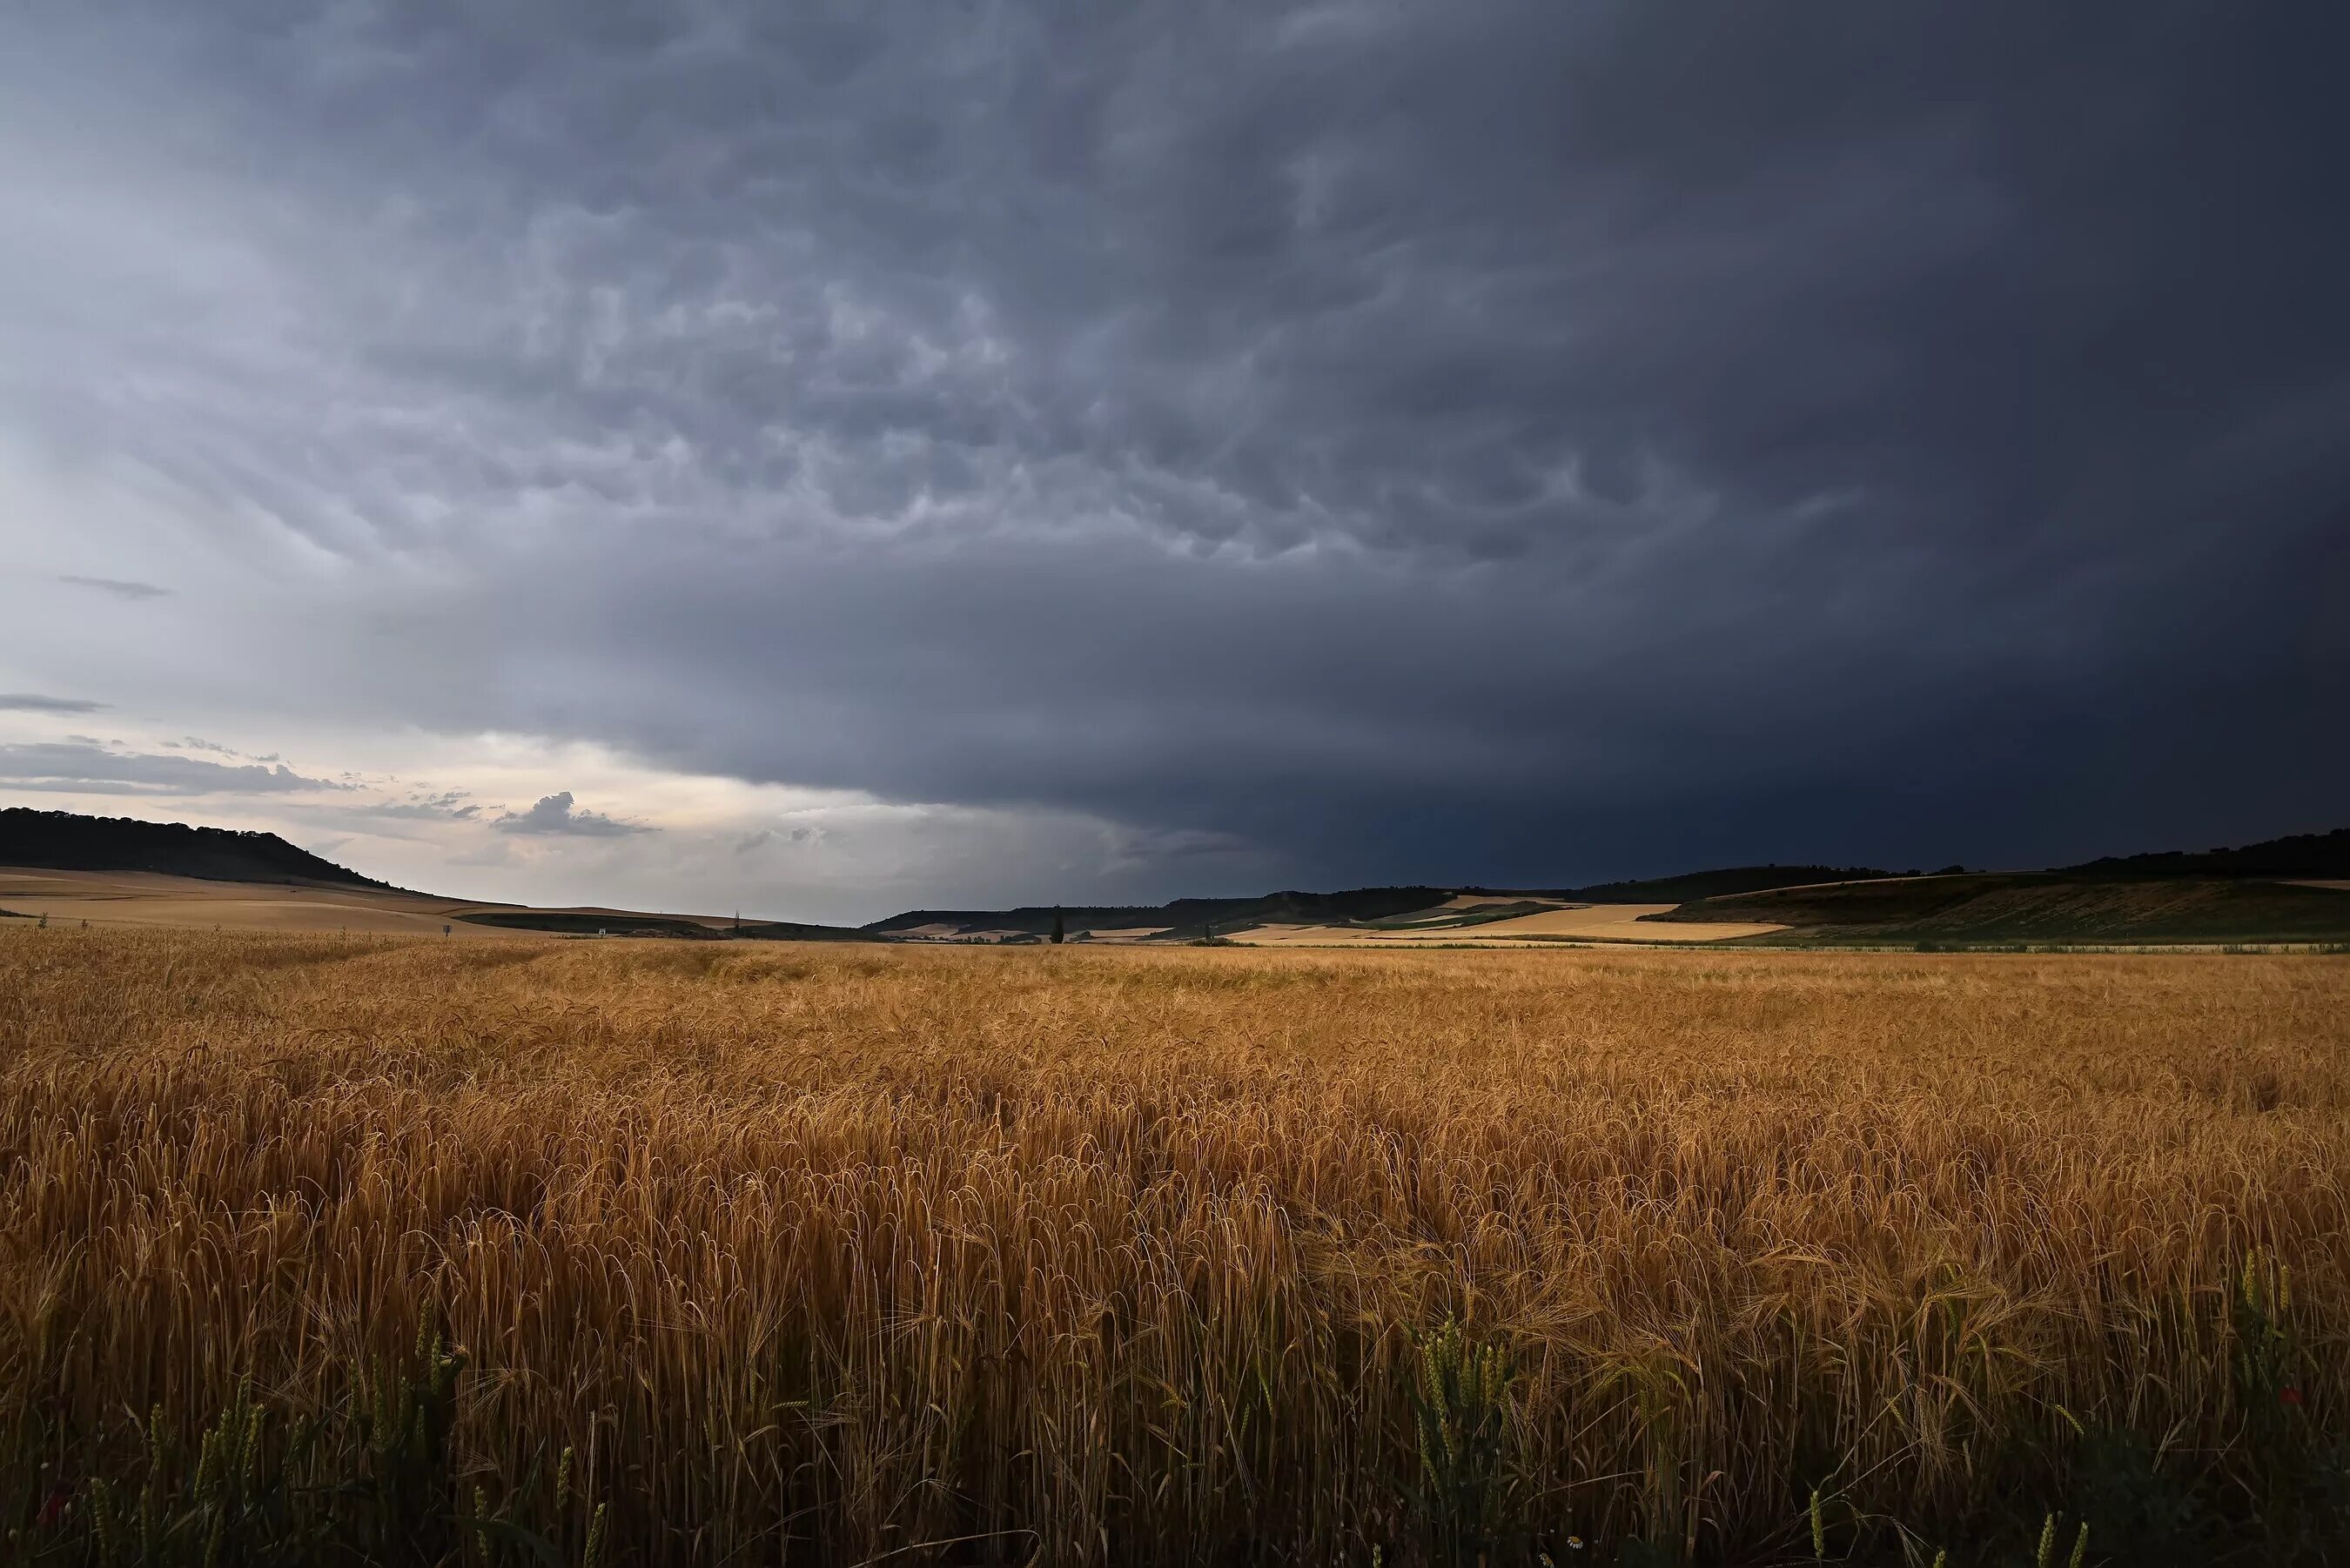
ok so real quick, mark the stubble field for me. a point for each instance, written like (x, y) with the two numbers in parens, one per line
(825, 1254)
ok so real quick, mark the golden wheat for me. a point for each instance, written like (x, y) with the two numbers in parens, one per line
(825, 1253)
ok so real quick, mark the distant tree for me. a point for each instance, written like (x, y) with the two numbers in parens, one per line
(1060, 931)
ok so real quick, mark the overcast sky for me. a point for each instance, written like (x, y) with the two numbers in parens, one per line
(825, 461)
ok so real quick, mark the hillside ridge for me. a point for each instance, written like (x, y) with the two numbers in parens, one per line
(2215, 894)
(2310, 855)
(69, 841)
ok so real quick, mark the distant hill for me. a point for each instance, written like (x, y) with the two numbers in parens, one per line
(2248, 894)
(2317, 856)
(2041, 906)
(1715, 884)
(2218, 895)
(796, 931)
(626, 923)
(579, 923)
(1183, 917)
(68, 841)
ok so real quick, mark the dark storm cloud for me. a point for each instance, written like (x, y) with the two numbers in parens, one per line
(554, 814)
(1485, 441)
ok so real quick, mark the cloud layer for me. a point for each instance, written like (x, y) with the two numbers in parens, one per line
(34, 702)
(86, 766)
(1483, 442)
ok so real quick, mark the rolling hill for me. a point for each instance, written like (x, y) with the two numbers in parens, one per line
(2313, 855)
(1381, 908)
(1715, 884)
(2277, 896)
(2287, 890)
(67, 841)
(1182, 918)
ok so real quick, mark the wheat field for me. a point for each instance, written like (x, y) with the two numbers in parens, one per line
(837, 1254)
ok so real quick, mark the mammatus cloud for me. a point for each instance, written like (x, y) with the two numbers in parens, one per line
(554, 814)
(120, 587)
(1494, 440)
(32, 702)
